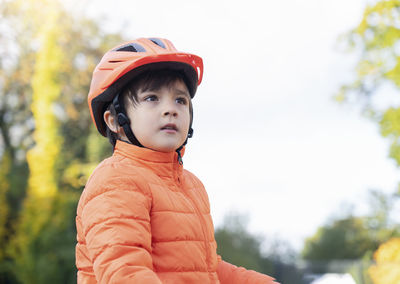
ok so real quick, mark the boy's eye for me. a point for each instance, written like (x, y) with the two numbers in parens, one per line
(182, 100)
(151, 98)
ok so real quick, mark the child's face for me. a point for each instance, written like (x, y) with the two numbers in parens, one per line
(160, 120)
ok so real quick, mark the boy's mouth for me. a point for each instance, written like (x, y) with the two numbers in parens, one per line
(170, 127)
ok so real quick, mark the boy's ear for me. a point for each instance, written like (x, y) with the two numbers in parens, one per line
(110, 121)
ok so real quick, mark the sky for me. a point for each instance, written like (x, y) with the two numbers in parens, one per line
(269, 142)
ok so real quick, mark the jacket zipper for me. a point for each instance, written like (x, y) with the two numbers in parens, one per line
(200, 216)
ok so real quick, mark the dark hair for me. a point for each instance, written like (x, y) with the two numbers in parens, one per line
(147, 81)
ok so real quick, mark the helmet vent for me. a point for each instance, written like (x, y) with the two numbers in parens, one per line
(158, 42)
(132, 47)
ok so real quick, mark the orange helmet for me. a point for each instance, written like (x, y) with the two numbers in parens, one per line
(125, 61)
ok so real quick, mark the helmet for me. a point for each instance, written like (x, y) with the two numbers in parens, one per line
(126, 61)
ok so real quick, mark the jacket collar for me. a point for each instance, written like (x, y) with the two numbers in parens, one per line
(162, 163)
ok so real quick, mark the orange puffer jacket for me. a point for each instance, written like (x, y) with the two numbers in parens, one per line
(143, 219)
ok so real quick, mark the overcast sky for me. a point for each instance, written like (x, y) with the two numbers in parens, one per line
(269, 140)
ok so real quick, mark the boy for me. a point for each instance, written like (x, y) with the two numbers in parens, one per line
(141, 217)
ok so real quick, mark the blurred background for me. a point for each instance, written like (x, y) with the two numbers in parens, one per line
(297, 130)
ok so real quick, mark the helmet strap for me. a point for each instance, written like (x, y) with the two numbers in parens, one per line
(190, 135)
(123, 120)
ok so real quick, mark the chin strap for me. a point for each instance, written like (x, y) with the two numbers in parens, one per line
(123, 120)
(190, 135)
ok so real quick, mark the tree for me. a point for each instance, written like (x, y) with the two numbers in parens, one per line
(351, 237)
(42, 183)
(236, 245)
(377, 36)
(239, 247)
(346, 244)
(344, 239)
(44, 78)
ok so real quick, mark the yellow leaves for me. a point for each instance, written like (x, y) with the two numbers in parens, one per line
(41, 160)
(362, 27)
(378, 35)
(367, 68)
(379, 26)
(386, 6)
(390, 127)
(42, 183)
(388, 252)
(387, 268)
(389, 36)
(77, 173)
(44, 41)
(394, 73)
(390, 122)
(46, 89)
(341, 97)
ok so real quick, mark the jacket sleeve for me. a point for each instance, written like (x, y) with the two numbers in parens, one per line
(231, 274)
(116, 226)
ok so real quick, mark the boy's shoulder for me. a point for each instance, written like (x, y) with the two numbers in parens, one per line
(118, 166)
(114, 173)
(193, 178)
(110, 167)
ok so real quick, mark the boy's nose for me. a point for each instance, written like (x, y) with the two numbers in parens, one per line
(170, 109)
(170, 112)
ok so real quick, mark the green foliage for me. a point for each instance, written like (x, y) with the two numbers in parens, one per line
(354, 237)
(45, 253)
(359, 270)
(347, 244)
(378, 38)
(390, 127)
(238, 246)
(40, 60)
(343, 239)
(5, 166)
(13, 181)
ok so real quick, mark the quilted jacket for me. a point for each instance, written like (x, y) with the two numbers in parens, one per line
(143, 219)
